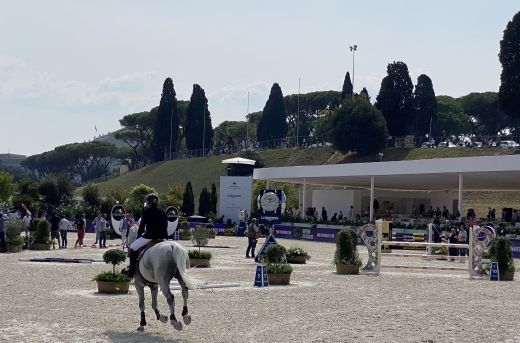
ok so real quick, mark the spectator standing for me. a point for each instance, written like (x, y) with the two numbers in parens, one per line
(351, 213)
(80, 229)
(323, 214)
(340, 217)
(462, 239)
(65, 226)
(97, 223)
(334, 217)
(103, 231)
(453, 239)
(252, 238)
(125, 226)
(55, 230)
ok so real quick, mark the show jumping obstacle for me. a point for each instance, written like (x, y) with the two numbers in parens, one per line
(479, 240)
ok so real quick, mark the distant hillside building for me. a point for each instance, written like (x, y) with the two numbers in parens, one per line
(12, 160)
(110, 138)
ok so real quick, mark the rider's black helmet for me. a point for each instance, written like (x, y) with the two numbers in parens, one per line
(152, 199)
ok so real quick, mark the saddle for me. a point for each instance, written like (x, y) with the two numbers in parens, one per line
(140, 252)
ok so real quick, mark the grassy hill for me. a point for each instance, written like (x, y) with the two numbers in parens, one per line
(204, 171)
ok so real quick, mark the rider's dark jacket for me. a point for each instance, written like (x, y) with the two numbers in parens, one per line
(156, 223)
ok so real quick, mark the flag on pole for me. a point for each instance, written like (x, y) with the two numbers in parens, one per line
(95, 128)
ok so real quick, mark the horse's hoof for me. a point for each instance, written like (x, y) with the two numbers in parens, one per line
(177, 325)
(141, 328)
(186, 319)
(163, 318)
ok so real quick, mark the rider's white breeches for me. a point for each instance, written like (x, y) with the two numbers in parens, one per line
(139, 243)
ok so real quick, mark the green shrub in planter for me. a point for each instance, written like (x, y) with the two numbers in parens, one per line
(276, 254)
(279, 268)
(346, 251)
(113, 257)
(500, 252)
(13, 229)
(42, 232)
(211, 230)
(297, 251)
(200, 237)
(197, 254)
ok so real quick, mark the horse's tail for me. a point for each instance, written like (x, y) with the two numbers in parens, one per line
(181, 258)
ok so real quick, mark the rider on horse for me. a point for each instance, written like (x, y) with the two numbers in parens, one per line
(156, 223)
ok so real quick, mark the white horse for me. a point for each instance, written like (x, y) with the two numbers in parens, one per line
(156, 268)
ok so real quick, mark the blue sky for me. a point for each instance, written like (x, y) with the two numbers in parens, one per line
(69, 66)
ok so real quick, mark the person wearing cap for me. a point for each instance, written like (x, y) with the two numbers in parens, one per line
(153, 226)
(252, 237)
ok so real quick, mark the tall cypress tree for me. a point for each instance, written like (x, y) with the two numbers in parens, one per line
(273, 124)
(425, 105)
(188, 203)
(395, 100)
(213, 197)
(364, 94)
(347, 90)
(198, 119)
(509, 93)
(204, 202)
(166, 126)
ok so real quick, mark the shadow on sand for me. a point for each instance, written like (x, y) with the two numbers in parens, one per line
(135, 336)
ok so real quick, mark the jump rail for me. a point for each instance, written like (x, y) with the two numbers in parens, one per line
(479, 240)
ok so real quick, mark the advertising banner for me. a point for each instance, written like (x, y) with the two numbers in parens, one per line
(235, 195)
(270, 205)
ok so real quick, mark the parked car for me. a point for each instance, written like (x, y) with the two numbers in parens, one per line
(428, 145)
(476, 144)
(446, 145)
(509, 145)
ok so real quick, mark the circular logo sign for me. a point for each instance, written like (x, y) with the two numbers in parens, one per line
(481, 236)
(118, 212)
(269, 202)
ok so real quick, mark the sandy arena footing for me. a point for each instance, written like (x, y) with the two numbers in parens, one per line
(58, 302)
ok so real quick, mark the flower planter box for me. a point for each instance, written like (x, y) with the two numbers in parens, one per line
(278, 279)
(39, 246)
(508, 276)
(113, 287)
(347, 269)
(296, 259)
(199, 263)
(14, 248)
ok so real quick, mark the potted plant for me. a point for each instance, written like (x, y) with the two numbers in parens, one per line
(278, 270)
(297, 255)
(211, 230)
(500, 251)
(41, 236)
(346, 257)
(199, 258)
(185, 234)
(13, 240)
(112, 282)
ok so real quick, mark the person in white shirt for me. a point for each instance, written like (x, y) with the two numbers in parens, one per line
(65, 226)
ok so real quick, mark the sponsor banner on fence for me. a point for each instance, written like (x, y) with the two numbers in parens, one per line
(313, 233)
(515, 247)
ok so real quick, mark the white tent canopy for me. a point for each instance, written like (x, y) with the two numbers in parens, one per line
(443, 174)
(239, 160)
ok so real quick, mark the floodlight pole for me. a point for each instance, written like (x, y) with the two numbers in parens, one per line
(353, 49)
(298, 114)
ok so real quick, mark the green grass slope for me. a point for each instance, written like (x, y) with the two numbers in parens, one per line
(204, 171)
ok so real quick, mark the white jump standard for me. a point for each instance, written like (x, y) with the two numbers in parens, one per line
(479, 240)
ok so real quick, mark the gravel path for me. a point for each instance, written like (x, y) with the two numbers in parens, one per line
(51, 302)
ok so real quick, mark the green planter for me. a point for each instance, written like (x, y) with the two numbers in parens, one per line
(347, 269)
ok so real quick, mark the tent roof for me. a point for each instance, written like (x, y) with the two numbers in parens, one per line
(239, 160)
(479, 173)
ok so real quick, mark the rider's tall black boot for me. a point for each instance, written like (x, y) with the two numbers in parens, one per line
(130, 270)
